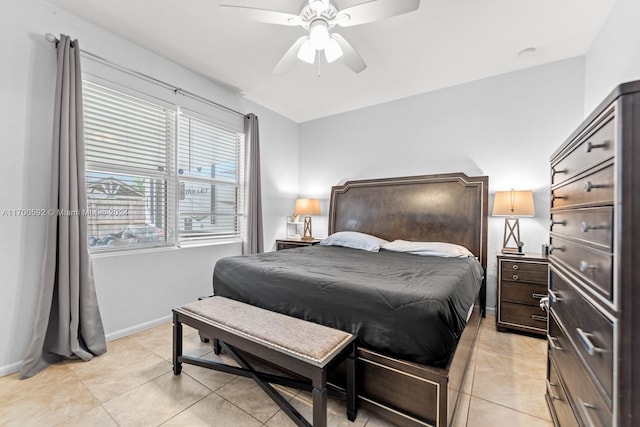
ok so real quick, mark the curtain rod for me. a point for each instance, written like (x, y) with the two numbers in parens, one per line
(53, 39)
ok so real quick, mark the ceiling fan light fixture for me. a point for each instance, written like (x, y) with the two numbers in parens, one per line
(319, 34)
(332, 51)
(307, 53)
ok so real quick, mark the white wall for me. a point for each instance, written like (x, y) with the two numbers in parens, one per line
(614, 55)
(137, 290)
(505, 127)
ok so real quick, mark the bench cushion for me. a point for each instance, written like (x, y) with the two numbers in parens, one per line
(316, 344)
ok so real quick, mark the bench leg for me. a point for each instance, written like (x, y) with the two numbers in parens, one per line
(319, 396)
(217, 348)
(177, 345)
(352, 387)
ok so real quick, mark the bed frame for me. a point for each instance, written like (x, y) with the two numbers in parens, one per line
(444, 207)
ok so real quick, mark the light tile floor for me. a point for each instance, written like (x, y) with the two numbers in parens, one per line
(133, 385)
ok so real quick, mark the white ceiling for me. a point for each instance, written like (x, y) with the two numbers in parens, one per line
(443, 43)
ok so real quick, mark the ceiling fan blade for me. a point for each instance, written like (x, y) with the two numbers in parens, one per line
(261, 15)
(290, 57)
(349, 55)
(374, 10)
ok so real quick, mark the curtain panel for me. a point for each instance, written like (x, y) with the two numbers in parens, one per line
(254, 239)
(68, 322)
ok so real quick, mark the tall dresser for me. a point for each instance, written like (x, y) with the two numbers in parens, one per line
(593, 373)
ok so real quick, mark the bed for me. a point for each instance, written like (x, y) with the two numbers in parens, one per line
(409, 374)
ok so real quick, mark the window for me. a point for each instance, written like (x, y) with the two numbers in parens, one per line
(156, 176)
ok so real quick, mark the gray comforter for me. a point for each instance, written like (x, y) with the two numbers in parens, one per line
(408, 306)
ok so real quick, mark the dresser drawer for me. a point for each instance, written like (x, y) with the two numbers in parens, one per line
(523, 293)
(558, 399)
(597, 147)
(591, 225)
(589, 405)
(593, 189)
(521, 271)
(591, 265)
(523, 315)
(589, 330)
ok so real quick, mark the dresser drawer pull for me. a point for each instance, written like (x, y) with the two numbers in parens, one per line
(585, 409)
(562, 223)
(553, 296)
(515, 277)
(538, 296)
(550, 391)
(585, 226)
(538, 318)
(553, 345)
(584, 266)
(556, 248)
(585, 340)
(588, 186)
(554, 197)
(515, 266)
(555, 171)
(591, 146)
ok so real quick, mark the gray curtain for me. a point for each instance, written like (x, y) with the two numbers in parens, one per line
(254, 240)
(68, 322)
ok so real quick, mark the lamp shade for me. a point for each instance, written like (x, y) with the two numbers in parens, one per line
(307, 207)
(513, 203)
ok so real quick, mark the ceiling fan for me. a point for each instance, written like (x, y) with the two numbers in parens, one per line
(319, 17)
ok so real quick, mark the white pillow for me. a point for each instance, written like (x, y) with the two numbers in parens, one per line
(355, 240)
(441, 249)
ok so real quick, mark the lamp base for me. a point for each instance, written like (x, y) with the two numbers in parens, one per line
(512, 251)
(307, 229)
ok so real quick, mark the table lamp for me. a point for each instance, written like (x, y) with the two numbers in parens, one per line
(512, 205)
(307, 207)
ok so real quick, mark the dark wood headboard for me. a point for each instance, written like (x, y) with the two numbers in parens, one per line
(436, 208)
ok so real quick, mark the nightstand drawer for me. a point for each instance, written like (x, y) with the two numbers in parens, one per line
(523, 293)
(589, 330)
(295, 243)
(520, 271)
(524, 315)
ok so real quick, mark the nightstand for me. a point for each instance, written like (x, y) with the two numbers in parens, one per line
(295, 243)
(522, 282)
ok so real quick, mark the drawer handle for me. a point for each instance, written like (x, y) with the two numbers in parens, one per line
(538, 296)
(585, 340)
(553, 296)
(515, 277)
(585, 226)
(515, 266)
(562, 223)
(554, 197)
(555, 171)
(591, 146)
(538, 318)
(556, 248)
(588, 186)
(552, 343)
(550, 391)
(585, 409)
(584, 266)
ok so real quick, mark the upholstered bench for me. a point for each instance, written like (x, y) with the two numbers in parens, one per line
(298, 346)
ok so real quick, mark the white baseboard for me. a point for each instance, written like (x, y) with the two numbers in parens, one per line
(138, 328)
(10, 369)
(15, 367)
(491, 310)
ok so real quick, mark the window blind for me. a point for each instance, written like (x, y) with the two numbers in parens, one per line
(147, 178)
(210, 198)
